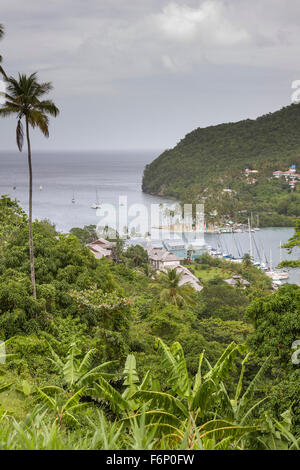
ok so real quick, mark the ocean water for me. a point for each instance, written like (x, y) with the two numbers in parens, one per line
(60, 176)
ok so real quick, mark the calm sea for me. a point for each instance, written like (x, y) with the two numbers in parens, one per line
(85, 176)
(58, 177)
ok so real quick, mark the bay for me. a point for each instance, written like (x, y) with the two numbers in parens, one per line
(60, 176)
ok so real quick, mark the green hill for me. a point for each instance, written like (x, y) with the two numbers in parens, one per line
(214, 158)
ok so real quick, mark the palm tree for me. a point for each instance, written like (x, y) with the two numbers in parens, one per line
(23, 98)
(171, 290)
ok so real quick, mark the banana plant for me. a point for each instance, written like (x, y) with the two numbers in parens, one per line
(77, 373)
(240, 409)
(123, 403)
(189, 403)
(186, 404)
(63, 407)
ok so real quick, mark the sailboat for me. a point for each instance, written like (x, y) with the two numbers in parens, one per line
(96, 205)
(277, 274)
(257, 224)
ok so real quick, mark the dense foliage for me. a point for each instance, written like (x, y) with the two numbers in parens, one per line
(211, 159)
(85, 367)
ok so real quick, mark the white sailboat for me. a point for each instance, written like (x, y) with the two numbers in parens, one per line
(96, 205)
(277, 274)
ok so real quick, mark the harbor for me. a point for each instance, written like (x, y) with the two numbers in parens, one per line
(264, 246)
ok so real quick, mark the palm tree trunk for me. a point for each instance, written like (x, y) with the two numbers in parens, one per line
(32, 270)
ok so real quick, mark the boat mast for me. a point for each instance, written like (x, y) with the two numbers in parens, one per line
(280, 252)
(250, 239)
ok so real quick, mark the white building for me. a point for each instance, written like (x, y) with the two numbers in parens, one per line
(101, 248)
(160, 259)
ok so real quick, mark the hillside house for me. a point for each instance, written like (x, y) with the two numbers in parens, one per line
(101, 248)
(160, 259)
(189, 278)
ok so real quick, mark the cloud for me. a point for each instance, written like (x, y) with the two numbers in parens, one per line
(94, 48)
(149, 70)
(208, 22)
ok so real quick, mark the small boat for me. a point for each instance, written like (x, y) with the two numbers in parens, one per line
(237, 260)
(278, 275)
(41, 188)
(96, 205)
(73, 198)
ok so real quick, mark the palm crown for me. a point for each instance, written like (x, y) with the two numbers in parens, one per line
(171, 288)
(23, 97)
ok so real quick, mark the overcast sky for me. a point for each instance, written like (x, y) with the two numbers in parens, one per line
(140, 74)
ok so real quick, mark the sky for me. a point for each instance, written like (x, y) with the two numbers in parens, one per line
(140, 74)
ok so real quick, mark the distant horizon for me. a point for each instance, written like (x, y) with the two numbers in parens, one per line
(145, 149)
(11, 150)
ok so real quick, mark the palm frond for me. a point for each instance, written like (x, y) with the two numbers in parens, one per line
(20, 135)
(7, 111)
(48, 107)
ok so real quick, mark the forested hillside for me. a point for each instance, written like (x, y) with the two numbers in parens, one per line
(209, 160)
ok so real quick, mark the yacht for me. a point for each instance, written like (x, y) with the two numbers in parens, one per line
(96, 205)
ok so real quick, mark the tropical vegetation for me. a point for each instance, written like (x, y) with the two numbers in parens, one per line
(107, 354)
